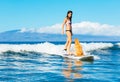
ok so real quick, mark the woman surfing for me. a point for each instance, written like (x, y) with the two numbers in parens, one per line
(68, 22)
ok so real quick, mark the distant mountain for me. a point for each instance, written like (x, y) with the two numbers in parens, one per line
(16, 35)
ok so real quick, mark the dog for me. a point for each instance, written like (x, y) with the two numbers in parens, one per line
(78, 48)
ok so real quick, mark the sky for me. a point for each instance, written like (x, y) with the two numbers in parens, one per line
(37, 14)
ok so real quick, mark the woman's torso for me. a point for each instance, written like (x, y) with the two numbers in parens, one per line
(68, 25)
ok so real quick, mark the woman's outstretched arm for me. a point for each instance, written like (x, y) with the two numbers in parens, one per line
(63, 25)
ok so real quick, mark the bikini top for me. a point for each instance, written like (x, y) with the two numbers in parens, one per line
(68, 22)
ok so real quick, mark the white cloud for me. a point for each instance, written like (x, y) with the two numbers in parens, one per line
(55, 29)
(93, 28)
(85, 27)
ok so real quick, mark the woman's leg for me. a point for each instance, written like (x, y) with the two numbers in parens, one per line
(69, 41)
(66, 44)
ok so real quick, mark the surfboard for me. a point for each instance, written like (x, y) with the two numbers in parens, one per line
(83, 58)
(78, 54)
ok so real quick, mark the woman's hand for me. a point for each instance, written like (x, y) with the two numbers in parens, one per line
(62, 32)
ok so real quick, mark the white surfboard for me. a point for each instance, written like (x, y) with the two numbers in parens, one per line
(83, 58)
(78, 53)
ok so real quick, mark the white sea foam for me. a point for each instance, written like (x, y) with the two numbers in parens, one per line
(50, 48)
(94, 46)
(118, 44)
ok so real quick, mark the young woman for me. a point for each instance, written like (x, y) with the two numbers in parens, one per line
(68, 23)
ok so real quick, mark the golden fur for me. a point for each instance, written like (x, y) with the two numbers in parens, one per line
(78, 48)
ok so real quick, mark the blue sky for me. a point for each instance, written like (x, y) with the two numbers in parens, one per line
(17, 14)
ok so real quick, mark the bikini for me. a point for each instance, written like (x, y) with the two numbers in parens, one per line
(68, 22)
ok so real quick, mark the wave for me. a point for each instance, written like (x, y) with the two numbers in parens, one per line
(95, 46)
(51, 48)
(41, 47)
(118, 44)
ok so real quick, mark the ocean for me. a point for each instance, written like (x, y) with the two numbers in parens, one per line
(42, 62)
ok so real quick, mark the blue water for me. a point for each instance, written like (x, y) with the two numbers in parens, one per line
(32, 66)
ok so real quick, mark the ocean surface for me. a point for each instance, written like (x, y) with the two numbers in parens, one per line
(42, 62)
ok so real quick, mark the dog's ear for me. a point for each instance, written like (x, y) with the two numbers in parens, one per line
(76, 39)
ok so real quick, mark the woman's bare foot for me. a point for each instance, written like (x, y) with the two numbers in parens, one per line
(65, 49)
(70, 53)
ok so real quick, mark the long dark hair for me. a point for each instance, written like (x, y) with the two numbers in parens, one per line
(70, 18)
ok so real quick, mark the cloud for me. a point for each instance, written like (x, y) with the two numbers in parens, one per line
(54, 29)
(93, 28)
(85, 27)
